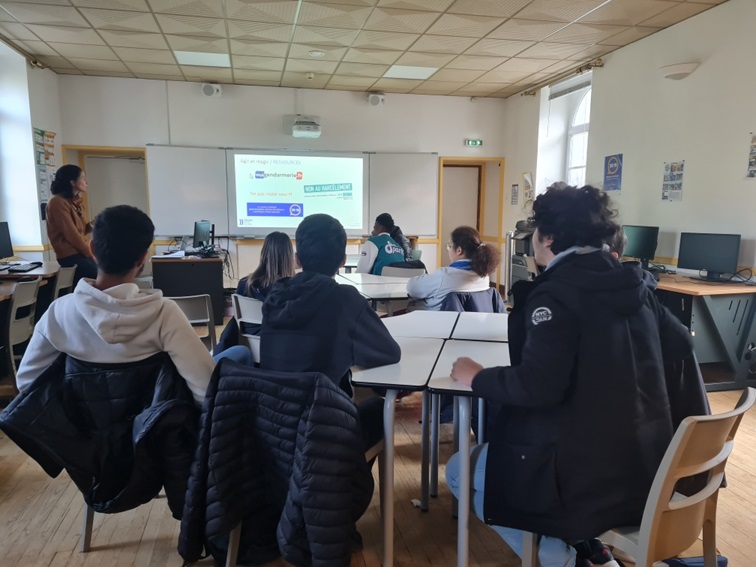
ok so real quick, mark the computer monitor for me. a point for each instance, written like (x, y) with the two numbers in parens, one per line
(202, 234)
(6, 247)
(715, 253)
(641, 242)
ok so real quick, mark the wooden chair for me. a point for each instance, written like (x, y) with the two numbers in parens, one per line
(19, 328)
(199, 310)
(248, 311)
(671, 521)
(64, 281)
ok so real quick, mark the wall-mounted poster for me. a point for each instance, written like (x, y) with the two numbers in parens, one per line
(613, 173)
(527, 187)
(672, 185)
(515, 193)
(751, 172)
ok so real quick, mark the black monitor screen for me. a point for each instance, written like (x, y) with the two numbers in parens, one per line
(6, 248)
(641, 241)
(201, 233)
(715, 253)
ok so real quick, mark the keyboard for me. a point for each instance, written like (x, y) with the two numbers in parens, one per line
(22, 268)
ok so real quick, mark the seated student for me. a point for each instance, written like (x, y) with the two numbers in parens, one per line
(276, 262)
(311, 323)
(567, 458)
(385, 223)
(379, 251)
(471, 262)
(110, 320)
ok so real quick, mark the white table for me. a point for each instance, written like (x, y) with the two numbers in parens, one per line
(427, 324)
(488, 354)
(410, 373)
(351, 262)
(371, 279)
(482, 327)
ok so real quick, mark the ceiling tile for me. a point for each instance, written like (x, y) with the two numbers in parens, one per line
(20, 31)
(378, 56)
(154, 69)
(206, 74)
(500, 47)
(396, 85)
(54, 2)
(629, 36)
(57, 62)
(261, 48)
(585, 33)
(98, 65)
(239, 29)
(350, 2)
(507, 92)
(132, 39)
(362, 69)
(523, 64)
(481, 89)
(121, 20)
(297, 79)
(495, 8)
(560, 67)
(559, 10)
(310, 66)
(191, 25)
(676, 14)
(464, 25)
(430, 5)
(347, 81)
(159, 77)
(302, 51)
(710, 2)
(200, 44)
(333, 15)
(135, 5)
(443, 44)
(44, 14)
(456, 75)
(72, 50)
(473, 62)
(424, 59)
(36, 47)
(266, 76)
(384, 40)
(67, 71)
(591, 52)
(145, 55)
(408, 21)
(628, 13)
(346, 88)
(546, 50)
(107, 73)
(258, 63)
(259, 83)
(5, 16)
(438, 87)
(66, 35)
(324, 36)
(526, 30)
(206, 9)
(274, 12)
(497, 76)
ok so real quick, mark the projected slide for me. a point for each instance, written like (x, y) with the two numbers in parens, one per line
(279, 191)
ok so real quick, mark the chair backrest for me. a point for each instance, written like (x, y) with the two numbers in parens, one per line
(20, 328)
(398, 272)
(417, 254)
(64, 281)
(248, 311)
(485, 301)
(702, 444)
(199, 310)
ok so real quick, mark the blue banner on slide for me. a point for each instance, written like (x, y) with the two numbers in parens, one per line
(275, 210)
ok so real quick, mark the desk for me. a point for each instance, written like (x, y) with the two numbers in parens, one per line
(351, 262)
(426, 324)
(482, 327)
(488, 354)
(46, 270)
(362, 279)
(377, 288)
(191, 275)
(721, 321)
(410, 373)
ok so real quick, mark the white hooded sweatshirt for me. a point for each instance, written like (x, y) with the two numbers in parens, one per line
(120, 324)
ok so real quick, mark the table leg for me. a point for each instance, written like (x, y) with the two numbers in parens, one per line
(436, 417)
(388, 478)
(455, 446)
(481, 421)
(464, 482)
(425, 457)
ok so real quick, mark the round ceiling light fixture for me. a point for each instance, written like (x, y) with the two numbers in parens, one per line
(317, 53)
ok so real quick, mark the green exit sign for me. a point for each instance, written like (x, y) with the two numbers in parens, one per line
(469, 142)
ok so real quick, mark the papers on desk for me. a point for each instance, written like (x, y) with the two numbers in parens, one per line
(176, 254)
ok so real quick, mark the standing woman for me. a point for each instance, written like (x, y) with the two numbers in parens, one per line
(67, 225)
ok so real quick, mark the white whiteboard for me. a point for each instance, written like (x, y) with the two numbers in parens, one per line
(406, 186)
(186, 185)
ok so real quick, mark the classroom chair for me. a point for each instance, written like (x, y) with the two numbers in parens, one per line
(199, 310)
(64, 281)
(19, 326)
(671, 521)
(248, 315)
(416, 255)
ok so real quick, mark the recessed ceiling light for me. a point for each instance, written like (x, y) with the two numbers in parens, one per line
(409, 72)
(203, 59)
(317, 53)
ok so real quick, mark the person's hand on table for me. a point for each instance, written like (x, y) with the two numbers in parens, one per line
(464, 370)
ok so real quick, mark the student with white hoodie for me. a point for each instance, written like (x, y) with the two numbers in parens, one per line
(110, 320)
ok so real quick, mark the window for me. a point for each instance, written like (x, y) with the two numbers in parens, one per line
(577, 142)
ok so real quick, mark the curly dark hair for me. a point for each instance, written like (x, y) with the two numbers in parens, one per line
(574, 216)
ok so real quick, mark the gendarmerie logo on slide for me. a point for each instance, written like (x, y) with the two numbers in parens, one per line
(541, 315)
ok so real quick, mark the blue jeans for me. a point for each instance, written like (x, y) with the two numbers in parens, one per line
(238, 353)
(552, 552)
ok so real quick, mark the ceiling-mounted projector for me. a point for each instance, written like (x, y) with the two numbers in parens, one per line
(301, 126)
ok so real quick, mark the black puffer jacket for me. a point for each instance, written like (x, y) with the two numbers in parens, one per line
(283, 452)
(121, 431)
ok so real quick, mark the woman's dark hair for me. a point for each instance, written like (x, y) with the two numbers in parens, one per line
(276, 262)
(574, 216)
(386, 221)
(64, 178)
(483, 258)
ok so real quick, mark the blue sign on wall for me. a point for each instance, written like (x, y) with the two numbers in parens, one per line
(275, 209)
(613, 173)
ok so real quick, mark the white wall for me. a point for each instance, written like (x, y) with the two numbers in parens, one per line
(705, 119)
(116, 181)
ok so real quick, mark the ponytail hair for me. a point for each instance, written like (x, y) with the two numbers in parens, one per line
(484, 258)
(64, 179)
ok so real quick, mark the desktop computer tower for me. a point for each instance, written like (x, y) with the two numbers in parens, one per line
(520, 261)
